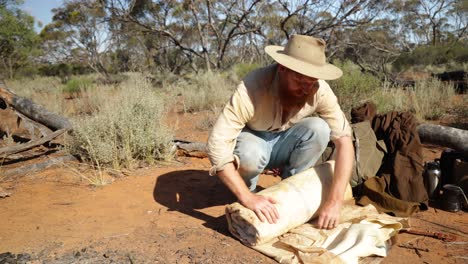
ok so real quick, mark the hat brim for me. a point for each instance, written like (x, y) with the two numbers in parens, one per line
(324, 72)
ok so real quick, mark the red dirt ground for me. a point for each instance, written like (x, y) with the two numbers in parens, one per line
(161, 214)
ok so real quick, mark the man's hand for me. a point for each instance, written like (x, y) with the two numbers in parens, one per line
(263, 207)
(329, 214)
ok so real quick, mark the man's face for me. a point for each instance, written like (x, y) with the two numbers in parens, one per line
(294, 85)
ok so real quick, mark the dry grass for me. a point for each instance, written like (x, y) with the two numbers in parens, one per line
(202, 92)
(125, 129)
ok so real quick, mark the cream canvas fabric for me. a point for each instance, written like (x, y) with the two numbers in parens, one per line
(362, 230)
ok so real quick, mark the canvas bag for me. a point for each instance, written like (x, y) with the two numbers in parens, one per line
(369, 153)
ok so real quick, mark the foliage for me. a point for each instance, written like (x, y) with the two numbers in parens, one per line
(17, 39)
(431, 98)
(77, 33)
(183, 36)
(354, 87)
(45, 91)
(121, 136)
(63, 70)
(78, 84)
(433, 55)
(241, 69)
(204, 91)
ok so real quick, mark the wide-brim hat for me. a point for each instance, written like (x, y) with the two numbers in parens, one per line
(305, 55)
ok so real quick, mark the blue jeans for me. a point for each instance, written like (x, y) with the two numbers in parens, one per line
(293, 150)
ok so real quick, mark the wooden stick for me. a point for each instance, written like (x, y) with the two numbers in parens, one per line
(37, 166)
(438, 235)
(31, 144)
(409, 246)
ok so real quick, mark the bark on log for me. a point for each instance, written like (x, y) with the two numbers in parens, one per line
(454, 138)
(33, 110)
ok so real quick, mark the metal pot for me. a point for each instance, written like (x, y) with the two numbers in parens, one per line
(432, 178)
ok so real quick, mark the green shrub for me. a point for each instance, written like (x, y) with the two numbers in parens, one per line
(78, 84)
(433, 55)
(127, 128)
(354, 87)
(242, 69)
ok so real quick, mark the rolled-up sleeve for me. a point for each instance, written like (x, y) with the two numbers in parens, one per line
(329, 109)
(222, 140)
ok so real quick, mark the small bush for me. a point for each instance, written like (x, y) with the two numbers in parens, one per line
(78, 84)
(126, 129)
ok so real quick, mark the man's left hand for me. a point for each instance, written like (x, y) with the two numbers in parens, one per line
(329, 214)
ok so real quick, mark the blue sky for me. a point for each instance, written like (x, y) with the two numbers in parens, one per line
(40, 10)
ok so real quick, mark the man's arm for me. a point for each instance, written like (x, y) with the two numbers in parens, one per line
(330, 211)
(262, 206)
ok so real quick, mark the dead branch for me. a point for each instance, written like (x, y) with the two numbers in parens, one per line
(31, 144)
(38, 166)
(409, 246)
(34, 117)
(439, 235)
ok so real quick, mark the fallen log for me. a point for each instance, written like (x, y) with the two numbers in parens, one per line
(32, 110)
(454, 138)
(34, 117)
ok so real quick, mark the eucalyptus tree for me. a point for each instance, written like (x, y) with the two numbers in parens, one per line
(201, 32)
(17, 37)
(79, 32)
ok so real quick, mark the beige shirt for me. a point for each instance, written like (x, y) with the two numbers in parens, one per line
(256, 104)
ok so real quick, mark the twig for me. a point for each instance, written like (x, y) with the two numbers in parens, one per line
(37, 166)
(31, 144)
(439, 235)
(409, 246)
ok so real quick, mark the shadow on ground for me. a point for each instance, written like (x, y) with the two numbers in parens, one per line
(188, 191)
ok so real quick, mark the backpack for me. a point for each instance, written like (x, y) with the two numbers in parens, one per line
(369, 153)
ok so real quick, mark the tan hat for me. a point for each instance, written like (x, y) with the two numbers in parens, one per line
(305, 55)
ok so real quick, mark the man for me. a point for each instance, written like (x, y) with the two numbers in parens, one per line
(267, 124)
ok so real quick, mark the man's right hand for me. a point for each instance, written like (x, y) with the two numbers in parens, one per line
(263, 207)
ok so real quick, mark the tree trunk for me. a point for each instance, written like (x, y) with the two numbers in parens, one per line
(444, 136)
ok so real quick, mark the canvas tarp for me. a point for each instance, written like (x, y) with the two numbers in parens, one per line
(362, 230)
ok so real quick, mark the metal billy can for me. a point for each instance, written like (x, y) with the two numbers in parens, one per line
(432, 178)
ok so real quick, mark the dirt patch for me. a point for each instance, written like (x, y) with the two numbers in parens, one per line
(166, 214)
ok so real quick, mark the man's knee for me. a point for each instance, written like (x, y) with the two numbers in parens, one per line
(251, 162)
(316, 129)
